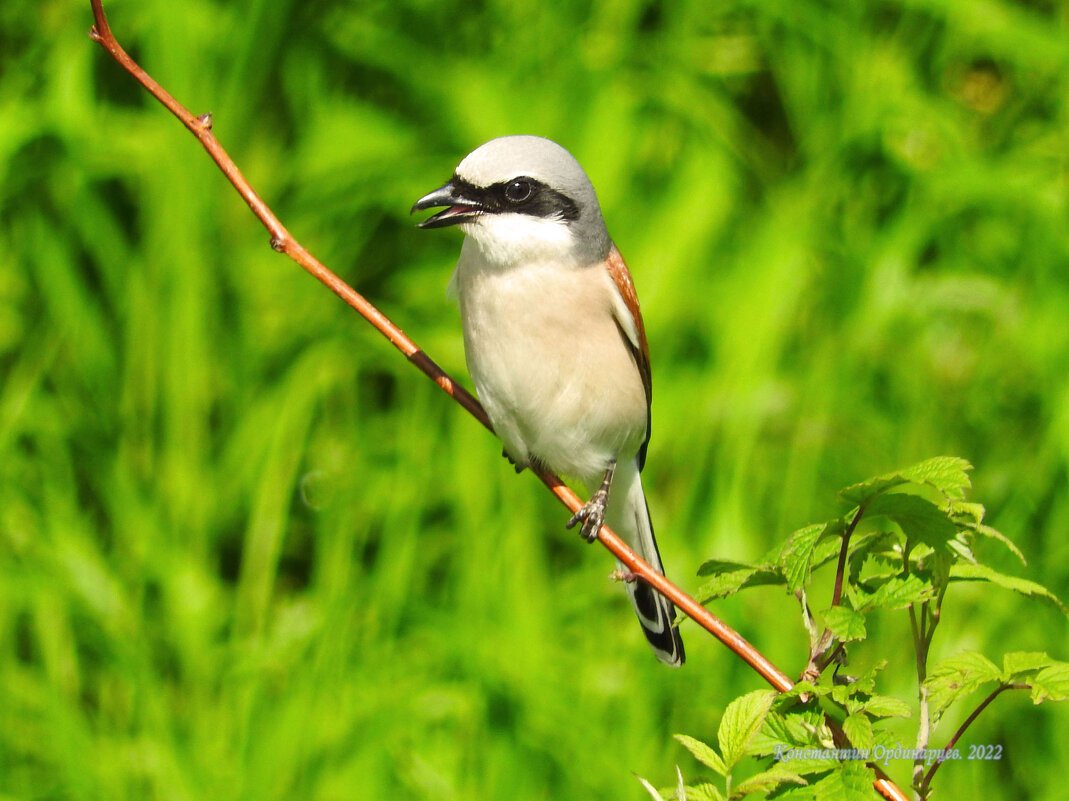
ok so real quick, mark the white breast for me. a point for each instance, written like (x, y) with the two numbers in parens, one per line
(550, 363)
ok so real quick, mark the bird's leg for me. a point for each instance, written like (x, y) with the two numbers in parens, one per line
(592, 514)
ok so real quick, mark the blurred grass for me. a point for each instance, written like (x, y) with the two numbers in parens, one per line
(247, 552)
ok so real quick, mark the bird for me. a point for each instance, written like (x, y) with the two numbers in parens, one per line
(554, 339)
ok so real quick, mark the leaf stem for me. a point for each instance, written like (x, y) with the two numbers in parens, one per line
(819, 656)
(840, 567)
(926, 781)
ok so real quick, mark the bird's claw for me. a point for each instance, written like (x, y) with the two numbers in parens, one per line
(519, 468)
(592, 515)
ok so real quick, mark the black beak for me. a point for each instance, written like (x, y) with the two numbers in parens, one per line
(457, 209)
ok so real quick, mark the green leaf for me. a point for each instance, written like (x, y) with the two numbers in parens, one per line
(884, 706)
(796, 557)
(702, 792)
(1018, 663)
(1051, 683)
(971, 572)
(845, 624)
(806, 793)
(703, 753)
(858, 730)
(852, 781)
(998, 536)
(714, 567)
(865, 491)
(807, 688)
(654, 794)
(742, 720)
(958, 676)
(967, 513)
(896, 592)
(947, 474)
(866, 682)
(872, 554)
(920, 519)
(766, 781)
(787, 729)
(730, 577)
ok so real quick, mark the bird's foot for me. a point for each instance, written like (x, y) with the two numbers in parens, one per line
(519, 468)
(623, 574)
(592, 515)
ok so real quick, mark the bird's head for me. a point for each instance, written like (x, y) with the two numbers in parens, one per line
(522, 198)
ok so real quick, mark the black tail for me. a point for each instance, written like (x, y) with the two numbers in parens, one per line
(630, 518)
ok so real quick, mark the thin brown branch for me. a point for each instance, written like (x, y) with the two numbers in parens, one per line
(821, 654)
(283, 242)
(926, 782)
(840, 567)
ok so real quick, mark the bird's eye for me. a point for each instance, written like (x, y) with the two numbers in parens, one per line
(518, 191)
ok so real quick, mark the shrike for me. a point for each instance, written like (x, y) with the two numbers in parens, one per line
(554, 339)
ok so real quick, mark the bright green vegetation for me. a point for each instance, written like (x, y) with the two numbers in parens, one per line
(909, 543)
(247, 552)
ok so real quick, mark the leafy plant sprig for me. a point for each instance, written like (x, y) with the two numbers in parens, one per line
(906, 538)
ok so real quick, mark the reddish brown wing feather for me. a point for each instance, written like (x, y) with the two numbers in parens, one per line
(621, 276)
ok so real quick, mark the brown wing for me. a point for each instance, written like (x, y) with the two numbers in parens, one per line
(621, 276)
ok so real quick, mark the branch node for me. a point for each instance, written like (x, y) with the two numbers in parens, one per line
(205, 120)
(94, 34)
(278, 244)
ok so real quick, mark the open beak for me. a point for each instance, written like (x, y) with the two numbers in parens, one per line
(457, 209)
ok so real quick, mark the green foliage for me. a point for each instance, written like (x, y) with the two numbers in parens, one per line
(921, 539)
(246, 552)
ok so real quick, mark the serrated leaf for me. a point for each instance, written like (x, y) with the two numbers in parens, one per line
(897, 592)
(766, 781)
(841, 693)
(846, 625)
(858, 730)
(1017, 663)
(998, 536)
(872, 554)
(702, 792)
(967, 512)
(866, 682)
(1051, 683)
(714, 567)
(947, 474)
(731, 577)
(956, 677)
(852, 781)
(828, 548)
(742, 720)
(796, 557)
(786, 729)
(702, 752)
(806, 688)
(884, 706)
(797, 762)
(865, 491)
(971, 572)
(920, 519)
(792, 793)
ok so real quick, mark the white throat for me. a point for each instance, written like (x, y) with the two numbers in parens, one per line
(510, 240)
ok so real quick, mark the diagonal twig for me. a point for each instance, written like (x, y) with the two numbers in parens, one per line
(284, 242)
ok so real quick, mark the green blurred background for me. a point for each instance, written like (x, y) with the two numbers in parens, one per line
(247, 552)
